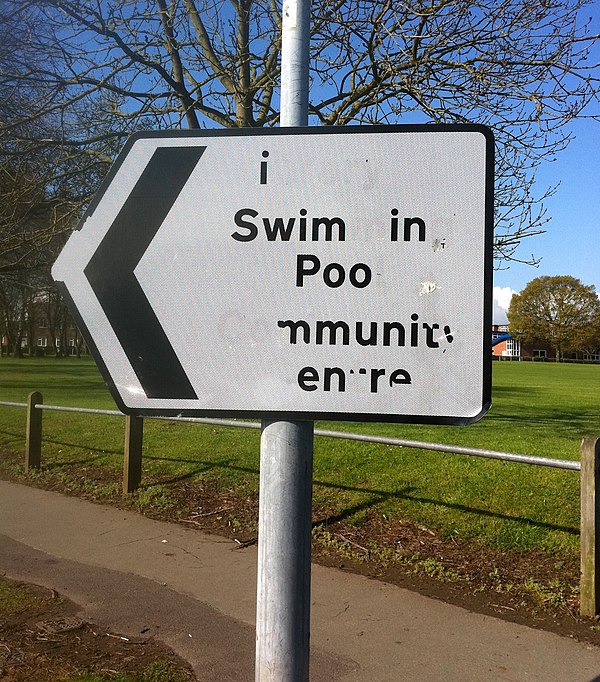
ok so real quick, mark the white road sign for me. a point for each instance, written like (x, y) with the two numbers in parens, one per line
(314, 273)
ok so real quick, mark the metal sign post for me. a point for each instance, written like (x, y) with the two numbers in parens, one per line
(284, 544)
(320, 273)
(286, 453)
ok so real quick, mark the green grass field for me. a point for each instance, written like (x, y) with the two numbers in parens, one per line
(539, 409)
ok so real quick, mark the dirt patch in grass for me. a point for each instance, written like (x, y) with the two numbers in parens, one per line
(42, 639)
(533, 588)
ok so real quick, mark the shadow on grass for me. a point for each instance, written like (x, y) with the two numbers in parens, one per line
(71, 462)
(375, 497)
(79, 446)
(13, 439)
(553, 419)
(526, 392)
(90, 388)
(49, 464)
(188, 474)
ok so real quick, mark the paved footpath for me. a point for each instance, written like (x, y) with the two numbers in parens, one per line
(196, 593)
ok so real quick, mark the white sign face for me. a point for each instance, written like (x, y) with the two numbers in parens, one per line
(317, 273)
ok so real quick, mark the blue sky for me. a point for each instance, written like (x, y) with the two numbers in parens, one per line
(571, 244)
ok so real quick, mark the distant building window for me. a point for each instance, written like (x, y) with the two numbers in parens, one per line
(513, 348)
(592, 356)
(57, 342)
(71, 343)
(540, 353)
(42, 342)
(43, 322)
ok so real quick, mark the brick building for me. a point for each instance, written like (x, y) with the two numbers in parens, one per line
(505, 347)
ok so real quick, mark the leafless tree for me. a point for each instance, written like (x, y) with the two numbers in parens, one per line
(34, 211)
(522, 67)
(17, 315)
(50, 164)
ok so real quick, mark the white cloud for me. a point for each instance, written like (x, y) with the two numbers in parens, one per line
(502, 296)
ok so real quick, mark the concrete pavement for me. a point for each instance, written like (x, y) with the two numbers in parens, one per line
(196, 593)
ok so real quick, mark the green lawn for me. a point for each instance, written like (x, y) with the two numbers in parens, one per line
(539, 409)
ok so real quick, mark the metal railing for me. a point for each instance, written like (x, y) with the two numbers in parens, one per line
(534, 460)
(589, 466)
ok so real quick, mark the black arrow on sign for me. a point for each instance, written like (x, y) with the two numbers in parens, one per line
(110, 273)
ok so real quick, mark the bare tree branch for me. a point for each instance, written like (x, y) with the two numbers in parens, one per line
(108, 68)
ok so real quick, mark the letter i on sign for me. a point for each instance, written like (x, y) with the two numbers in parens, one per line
(263, 168)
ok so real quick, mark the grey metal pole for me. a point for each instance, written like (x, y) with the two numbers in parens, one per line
(295, 43)
(286, 451)
(284, 543)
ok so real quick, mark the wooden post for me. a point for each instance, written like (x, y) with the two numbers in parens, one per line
(590, 528)
(33, 435)
(132, 464)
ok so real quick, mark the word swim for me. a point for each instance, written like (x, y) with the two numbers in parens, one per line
(278, 228)
(329, 332)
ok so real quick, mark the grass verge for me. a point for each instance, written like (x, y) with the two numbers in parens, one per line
(539, 409)
(487, 532)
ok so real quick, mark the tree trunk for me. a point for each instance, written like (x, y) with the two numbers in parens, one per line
(19, 345)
